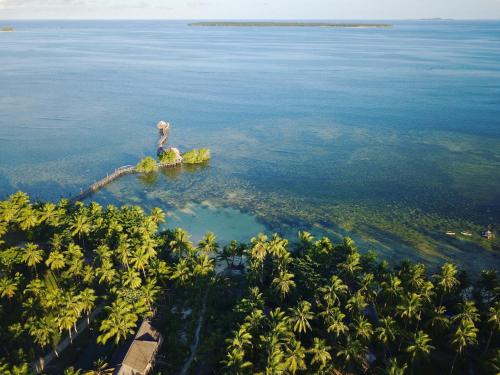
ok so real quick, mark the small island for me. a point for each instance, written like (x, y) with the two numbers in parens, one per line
(290, 24)
(7, 29)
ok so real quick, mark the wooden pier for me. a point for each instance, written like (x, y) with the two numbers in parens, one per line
(126, 169)
(117, 173)
(164, 129)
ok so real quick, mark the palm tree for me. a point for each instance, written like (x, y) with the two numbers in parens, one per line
(420, 346)
(294, 357)
(320, 352)
(410, 308)
(394, 368)
(387, 332)
(27, 218)
(494, 321)
(204, 266)
(284, 283)
(50, 214)
(87, 301)
(275, 363)
(149, 292)
(464, 336)
(140, 259)
(300, 316)
(80, 227)
(72, 371)
(357, 303)
(446, 279)
(42, 330)
(416, 276)
(235, 360)
(392, 289)
(100, 368)
(208, 243)
(438, 319)
(305, 241)
(131, 279)
(66, 320)
(119, 324)
(55, 261)
(182, 272)
(334, 320)
(259, 247)
(106, 272)
(353, 353)
(8, 287)
(351, 265)
(123, 250)
(467, 311)
(333, 291)
(157, 215)
(363, 329)
(241, 338)
(32, 255)
(180, 244)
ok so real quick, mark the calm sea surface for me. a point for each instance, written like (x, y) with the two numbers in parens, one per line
(391, 136)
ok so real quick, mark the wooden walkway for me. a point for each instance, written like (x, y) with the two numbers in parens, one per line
(96, 186)
(117, 173)
(127, 169)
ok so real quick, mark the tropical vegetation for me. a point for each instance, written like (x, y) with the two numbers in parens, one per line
(309, 306)
(168, 156)
(196, 156)
(147, 165)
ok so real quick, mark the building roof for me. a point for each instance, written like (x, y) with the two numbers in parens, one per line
(141, 352)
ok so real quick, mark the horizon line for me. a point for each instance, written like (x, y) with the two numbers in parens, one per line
(252, 19)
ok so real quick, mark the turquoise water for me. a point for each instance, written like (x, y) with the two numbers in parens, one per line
(389, 135)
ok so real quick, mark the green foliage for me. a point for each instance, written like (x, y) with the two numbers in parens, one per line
(147, 165)
(168, 157)
(308, 307)
(50, 285)
(329, 307)
(196, 156)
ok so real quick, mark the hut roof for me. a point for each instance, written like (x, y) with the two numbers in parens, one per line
(142, 351)
(163, 125)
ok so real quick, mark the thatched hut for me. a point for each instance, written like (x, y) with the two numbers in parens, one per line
(139, 357)
(163, 127)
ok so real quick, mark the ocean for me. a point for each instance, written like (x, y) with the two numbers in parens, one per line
(390, 136)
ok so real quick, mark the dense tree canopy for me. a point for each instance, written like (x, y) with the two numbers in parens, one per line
(310, 306)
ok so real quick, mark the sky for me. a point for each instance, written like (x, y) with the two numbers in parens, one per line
(249, 9)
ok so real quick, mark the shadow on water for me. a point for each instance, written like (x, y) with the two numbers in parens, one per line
(148, 179)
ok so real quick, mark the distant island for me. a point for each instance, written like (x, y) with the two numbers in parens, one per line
(7, 29)
(289, 24)
(436, 19)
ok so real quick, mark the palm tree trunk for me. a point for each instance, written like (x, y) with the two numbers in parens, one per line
(418, 323)
(401, 337)
(453, 363)
(488, 342)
